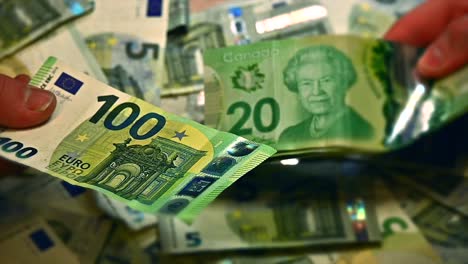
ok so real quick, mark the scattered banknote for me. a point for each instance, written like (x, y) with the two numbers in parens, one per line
(132, 151)
(345, 92)
(200, 9)
(65, 43)
(35, 189)
(84, 235)
(213, 28)
(338, 14)
(244, 22)
(299, 208)
(134, 219)
(33, 242)
(23, 21)
(402, 243)
(373, 18)
(183, 58)
(288, 19)
(89, 236)
(189, 106)
(402, 240)
(265, 257)
(446, 229)
(127, 246)
(71, 218)
(179, 16)
(367, 21)
(463, 163)
(127, 38)
(396, 8)
(448, 189)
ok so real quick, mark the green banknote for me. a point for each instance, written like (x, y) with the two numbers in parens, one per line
(23, 21)
(127, 38)
(303, 95)
(279, 207)
(109, 141)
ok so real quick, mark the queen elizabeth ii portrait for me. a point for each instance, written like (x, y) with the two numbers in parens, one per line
(321, 76)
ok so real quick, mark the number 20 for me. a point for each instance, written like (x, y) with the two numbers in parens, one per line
(259, 124)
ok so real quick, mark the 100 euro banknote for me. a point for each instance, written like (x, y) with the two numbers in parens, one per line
(306, 94)
(106, 140)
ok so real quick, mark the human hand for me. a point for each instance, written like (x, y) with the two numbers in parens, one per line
(442, 27)
(22, 106)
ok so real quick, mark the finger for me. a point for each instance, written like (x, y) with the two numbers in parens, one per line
(22, 105)
(23, 78)
(448, 52)
(426, 22)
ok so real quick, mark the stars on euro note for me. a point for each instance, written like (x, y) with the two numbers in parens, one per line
(180, 135)
(112, 41)
(82, 138)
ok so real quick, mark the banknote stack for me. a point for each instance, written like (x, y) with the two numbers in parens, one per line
(60, 223)
(230, 131)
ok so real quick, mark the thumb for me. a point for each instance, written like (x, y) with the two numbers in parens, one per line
(22, 105)
(448, 52)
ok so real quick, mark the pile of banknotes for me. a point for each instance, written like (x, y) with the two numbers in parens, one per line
(230, 131)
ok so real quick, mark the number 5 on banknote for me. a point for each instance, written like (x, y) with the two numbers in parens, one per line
(126, 148)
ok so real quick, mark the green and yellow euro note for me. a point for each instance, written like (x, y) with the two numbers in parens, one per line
(109, 141)
(307, 94)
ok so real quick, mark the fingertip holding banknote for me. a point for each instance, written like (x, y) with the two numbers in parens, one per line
(109, 141)
(445, 37)
(22, 105)
(448, 53)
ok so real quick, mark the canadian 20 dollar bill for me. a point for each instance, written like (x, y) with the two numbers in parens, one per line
(307, 94)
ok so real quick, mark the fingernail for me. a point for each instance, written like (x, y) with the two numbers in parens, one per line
(432, 59)
(38, 99)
